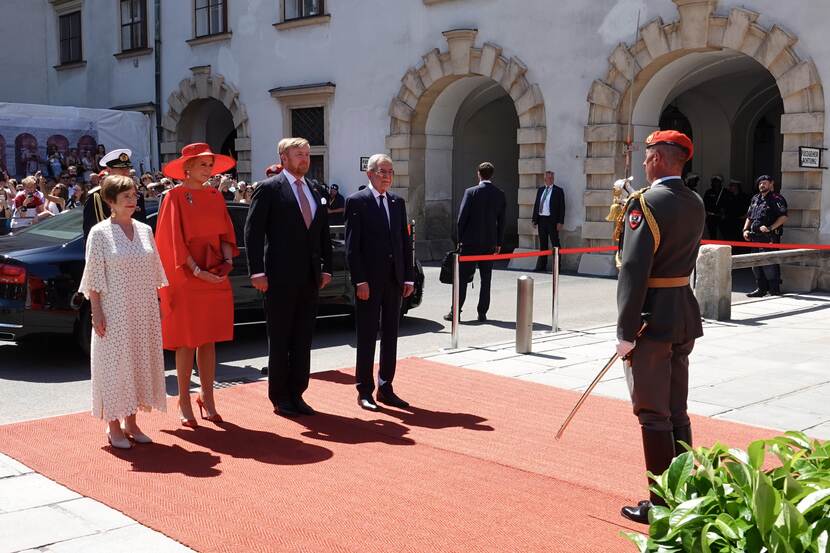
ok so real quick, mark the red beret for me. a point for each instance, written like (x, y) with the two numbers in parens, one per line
(275, 169)
(672, 138)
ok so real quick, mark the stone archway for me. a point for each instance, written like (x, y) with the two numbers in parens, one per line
(420, 88)
(204, 85)
(697, 30)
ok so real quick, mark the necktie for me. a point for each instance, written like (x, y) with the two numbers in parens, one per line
(542, 203)
(383, 209)
(304, 207)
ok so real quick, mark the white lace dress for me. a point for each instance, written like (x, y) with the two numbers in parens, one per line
(127, 363)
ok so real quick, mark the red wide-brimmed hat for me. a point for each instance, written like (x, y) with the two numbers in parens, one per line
(175, 169)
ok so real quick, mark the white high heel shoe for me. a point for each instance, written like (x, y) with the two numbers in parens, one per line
(118, 443)
(137, 437)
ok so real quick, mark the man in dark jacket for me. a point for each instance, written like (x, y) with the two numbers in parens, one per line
(548, 217)
(662, 231)
(480, 232)
(379, 254)
(289, 261)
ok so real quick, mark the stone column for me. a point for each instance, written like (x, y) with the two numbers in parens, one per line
(713, 282)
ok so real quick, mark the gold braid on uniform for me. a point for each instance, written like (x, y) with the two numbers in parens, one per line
(99, 207)
(620, 222)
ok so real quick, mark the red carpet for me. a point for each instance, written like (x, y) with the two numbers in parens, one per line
(474, 467)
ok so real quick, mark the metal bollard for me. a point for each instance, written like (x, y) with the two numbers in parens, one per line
(456, 289)
(554, 315)
(524, 314)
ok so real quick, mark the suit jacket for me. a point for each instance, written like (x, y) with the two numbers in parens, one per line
(91, 217)
(481, 216)
(278, 242)
(680, 215)
(370, 243)
(556, 204)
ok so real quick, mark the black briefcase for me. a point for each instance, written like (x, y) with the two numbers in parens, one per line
(446, 268)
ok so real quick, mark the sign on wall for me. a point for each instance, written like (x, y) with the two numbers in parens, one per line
(810, 157)
(364, 163)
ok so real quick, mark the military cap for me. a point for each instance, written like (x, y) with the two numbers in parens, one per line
(763, 177)
(117, 159)
(672, 138)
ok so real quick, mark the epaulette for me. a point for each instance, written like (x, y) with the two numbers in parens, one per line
(650, 220)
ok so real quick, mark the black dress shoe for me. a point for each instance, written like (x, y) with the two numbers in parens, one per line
(448, 316)
(303, 408)
(389, 398)
(366, 402)
(286, 409)
(482, 318)
(638, 513)
(757, 293)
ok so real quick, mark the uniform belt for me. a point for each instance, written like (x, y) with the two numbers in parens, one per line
(668, 282)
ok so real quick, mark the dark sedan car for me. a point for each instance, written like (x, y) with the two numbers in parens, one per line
(41, 267)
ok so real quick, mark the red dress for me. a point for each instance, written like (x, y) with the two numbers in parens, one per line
(194, 223)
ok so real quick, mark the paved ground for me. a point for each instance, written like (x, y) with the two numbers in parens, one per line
(766, 367)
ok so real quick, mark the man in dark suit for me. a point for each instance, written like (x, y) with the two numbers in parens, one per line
(480, 232)
(379, 254)
(289, 260)
(116, 162)
(548, 217)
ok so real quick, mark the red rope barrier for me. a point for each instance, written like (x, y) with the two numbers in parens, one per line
(566, 251)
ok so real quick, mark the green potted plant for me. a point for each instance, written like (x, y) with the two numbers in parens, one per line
(722, 500)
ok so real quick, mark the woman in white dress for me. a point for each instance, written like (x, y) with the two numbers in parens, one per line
(121, 278)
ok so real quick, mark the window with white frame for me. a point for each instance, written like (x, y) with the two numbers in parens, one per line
(69, 28)
(211, 17)
(298, 9)
(133, 24)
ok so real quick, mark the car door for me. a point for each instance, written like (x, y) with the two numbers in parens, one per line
(246, 297)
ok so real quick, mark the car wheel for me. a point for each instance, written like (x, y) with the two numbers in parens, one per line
(83, 332)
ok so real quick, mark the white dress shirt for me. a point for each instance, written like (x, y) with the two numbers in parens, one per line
(544, 203)
(660, 180)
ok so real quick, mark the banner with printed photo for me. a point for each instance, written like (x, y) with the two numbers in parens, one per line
(31, 134)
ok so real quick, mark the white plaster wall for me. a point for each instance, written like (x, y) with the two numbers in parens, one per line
(23, 66)
(366, 49)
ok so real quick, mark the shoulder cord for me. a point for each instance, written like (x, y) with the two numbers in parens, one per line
(99, 208)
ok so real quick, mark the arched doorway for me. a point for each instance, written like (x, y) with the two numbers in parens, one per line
(745, 91)
(206, 108)
(208, 120)
(25, 155)
(3, 166)
(456, 109)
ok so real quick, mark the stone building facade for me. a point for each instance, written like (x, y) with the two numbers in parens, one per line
(443, 84)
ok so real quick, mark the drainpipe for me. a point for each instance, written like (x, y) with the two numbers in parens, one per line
(157, 52)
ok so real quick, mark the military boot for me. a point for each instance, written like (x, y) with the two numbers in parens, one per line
(658, 447)
(757, 293)
(775, 288)
(682, 434)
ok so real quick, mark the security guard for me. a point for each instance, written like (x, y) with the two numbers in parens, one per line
(659, 235)
(116, 162)
(764, 221)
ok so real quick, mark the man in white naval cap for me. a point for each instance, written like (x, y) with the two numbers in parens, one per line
(116, 162)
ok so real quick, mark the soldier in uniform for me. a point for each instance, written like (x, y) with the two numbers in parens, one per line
(764, 221)
(659, 235)
(116, 162)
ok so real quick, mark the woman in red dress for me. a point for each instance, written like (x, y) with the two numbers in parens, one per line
(197, 244)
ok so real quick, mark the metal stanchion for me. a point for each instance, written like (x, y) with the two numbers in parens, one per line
(456, 290)
(524, 314)
(554, 315)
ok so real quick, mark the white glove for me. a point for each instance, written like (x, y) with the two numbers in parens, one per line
(624, 347)
(619, 184)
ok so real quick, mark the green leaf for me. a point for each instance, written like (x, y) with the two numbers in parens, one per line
(765, 500)
(814, 500)
(638, 539)
(727, 525)
(800, 438)
(678, 473)
(756, 453)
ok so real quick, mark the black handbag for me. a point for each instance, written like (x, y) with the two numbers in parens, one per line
(446, 269)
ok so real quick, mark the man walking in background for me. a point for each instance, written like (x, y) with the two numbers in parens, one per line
(288, 217)
(548, 217)
(480, 232)
(379, 254)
